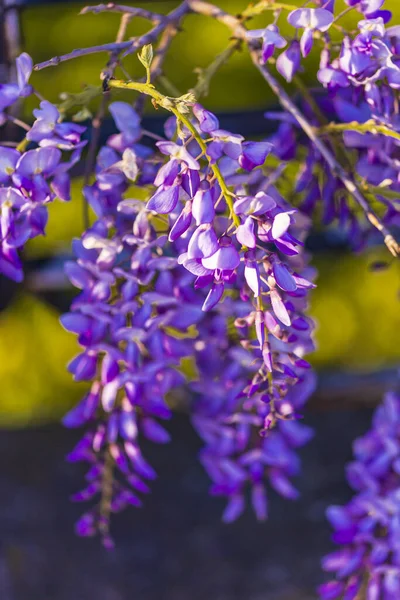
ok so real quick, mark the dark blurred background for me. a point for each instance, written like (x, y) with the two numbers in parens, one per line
(175, 548)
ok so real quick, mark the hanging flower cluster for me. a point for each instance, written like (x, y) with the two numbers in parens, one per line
(361, 79)
(368, 527)
(31, 179)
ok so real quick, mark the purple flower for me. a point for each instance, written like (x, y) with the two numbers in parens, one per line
(203, 204)
(208, 122)
(8, 161)
(226, 143)
(180, 153)
(49, 132)
(10, 92)
(252, 273)
(245, 233)
(164, 200)
(332, 78)
(367, 527)
(372, 27)
(182, 223)
(271, 39)
(310, 19)
(371, 8)
(260, 204)
(254, 154)
(288, 62)
(316, 19)
(46, 120)
(42, 161)
(226, 258)
(127, 122)
(203, 242)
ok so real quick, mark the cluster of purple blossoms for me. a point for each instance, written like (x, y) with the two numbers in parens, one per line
(368, 527)
(361, 81)
(34, 173)
(261, 376)
(144, 284)
(249, 439)
(131, 315)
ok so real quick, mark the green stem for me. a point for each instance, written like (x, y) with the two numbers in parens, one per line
(369, 126)
(22, 146)
(171, 104)
(214, 167)
(260, 7)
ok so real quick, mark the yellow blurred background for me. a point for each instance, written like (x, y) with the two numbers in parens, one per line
(357, 310)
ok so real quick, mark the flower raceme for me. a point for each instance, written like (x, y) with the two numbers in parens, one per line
(367, 528)
(143, 287)
(33, 174)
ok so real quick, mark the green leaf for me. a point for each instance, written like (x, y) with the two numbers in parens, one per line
(146, 56)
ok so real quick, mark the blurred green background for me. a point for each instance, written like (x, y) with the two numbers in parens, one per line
(357, 310)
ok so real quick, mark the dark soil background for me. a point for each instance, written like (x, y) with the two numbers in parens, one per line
(175, 548)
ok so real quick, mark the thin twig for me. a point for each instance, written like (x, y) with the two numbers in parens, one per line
(120, 47)
(18, 122)
(56, 60)
(98, 120)
(336, 169)
(118, 8)
(172, 18)
(209, 10)
(370, 126)
(153, 136)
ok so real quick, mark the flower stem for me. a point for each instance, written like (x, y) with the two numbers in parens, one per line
(22, 145)
(214, 167)
(369, 126)
(171, 104)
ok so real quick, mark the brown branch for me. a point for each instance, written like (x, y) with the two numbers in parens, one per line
(56, 60)
(120, 47)
(118, 8)
(209, 10)
(172, 18)
(98, 120)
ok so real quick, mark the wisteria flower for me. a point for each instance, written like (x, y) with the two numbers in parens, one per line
(10, 92)
(310, 19)
(271, 39)
(48, 131)
(288, 62)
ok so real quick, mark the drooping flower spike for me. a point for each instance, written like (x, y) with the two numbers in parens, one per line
(367, 528)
